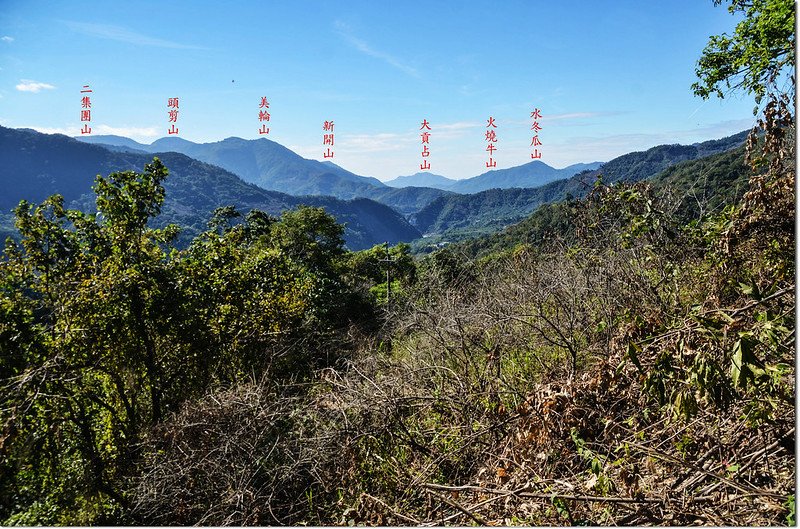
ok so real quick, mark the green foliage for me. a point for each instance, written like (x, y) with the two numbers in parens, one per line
(38, 165)
(88, 373)
(596, 462)
(756, 56)
(737, 354)
(368, 269)
(105, 329)
(705, 177)
(791, 508)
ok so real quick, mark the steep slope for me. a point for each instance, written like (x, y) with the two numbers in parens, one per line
(407, 200)
(502, 207)
(641, 165)
(36, 165)
(708, 183)
(494, 208)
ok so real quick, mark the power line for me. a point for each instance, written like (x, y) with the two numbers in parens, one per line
(389, 260)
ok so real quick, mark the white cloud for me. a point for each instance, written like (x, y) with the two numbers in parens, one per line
(578, 115)
(27, 85)
(362, 46)
(390, 141)
(118, 33)
(459, 125)
(373, 142)
(6, 38)
(53, 130)
(134, 133)
(453, 130)
(140, 134)
(567, 119)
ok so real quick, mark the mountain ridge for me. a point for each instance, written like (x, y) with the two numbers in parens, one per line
(272, 166)
(529, 175)
(501, 207)
(36, 165)
(263, 162)
(422, 179)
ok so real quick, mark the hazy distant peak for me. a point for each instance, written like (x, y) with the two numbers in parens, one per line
(171, 141)
(421, 179)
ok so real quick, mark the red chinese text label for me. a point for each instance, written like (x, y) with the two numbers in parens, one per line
(491, 139)
(86, 110)
(426, 137)
(327, 138)
(536, 115)
(263, 115)
(173, 105)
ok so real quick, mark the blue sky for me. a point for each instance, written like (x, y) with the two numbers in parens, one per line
(609, 77)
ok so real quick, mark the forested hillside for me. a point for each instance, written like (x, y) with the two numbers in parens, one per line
(36, 165)
(262, 162)
(615, 374)
(623, 357)
(694, 188)
(457, 217)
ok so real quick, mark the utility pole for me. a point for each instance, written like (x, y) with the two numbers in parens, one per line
(388, 262)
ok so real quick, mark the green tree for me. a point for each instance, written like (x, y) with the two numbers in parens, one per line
(105, 329)
(759, 54)
(243, 299)
(745, 344)
(367, 269)
(85, 296)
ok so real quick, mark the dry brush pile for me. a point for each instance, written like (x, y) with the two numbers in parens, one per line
(640, 373)
(522, 401)
(535, 392)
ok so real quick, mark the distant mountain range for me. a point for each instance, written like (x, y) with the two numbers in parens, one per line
(424, 179)
(530, 175)
(271, 166)
(34, 166)
(497, 208)
(262, 162)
